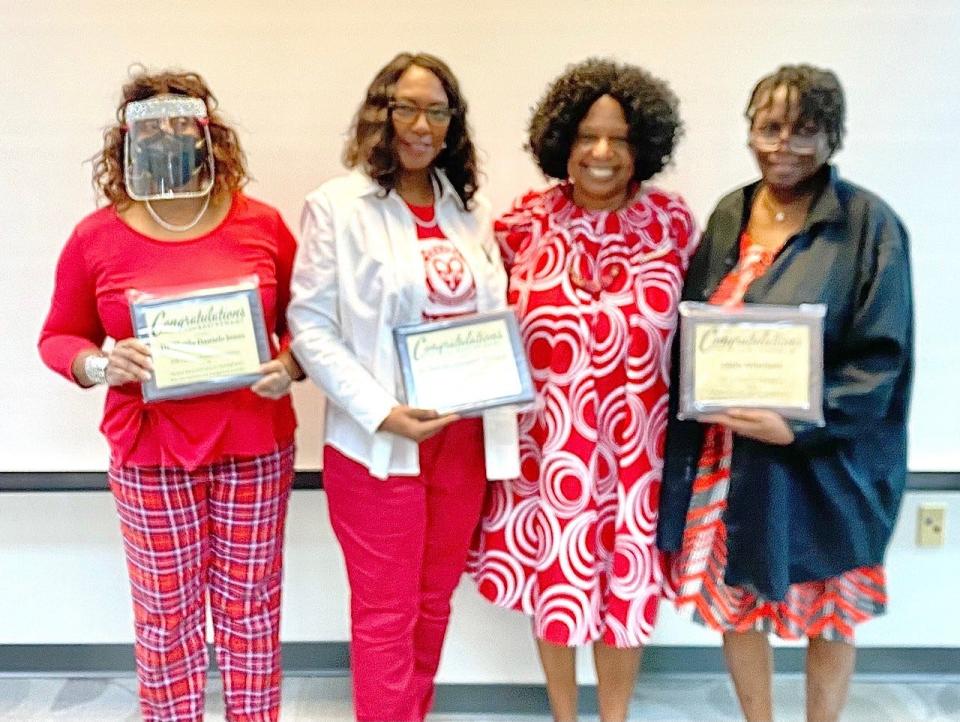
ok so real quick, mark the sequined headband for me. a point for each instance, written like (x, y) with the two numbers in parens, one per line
(165, 106)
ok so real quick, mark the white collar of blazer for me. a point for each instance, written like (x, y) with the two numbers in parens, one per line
(443, 190)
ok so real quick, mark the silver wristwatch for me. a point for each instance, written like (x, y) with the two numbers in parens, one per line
(95, 368)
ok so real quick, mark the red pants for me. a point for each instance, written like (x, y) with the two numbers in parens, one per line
(218, 528)
(405, 544)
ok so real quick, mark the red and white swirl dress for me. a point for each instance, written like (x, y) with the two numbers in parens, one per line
(571, 541)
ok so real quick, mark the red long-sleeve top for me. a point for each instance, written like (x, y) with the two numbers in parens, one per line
(102, 259)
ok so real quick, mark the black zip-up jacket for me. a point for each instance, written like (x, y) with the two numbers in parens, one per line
(828, 502)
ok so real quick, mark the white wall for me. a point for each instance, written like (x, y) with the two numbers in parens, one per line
(290, 75)
(64, 582)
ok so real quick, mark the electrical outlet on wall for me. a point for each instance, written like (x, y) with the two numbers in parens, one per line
(931, 525)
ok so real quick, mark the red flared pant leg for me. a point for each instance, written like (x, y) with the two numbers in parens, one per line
(456, 482)
(405, 544)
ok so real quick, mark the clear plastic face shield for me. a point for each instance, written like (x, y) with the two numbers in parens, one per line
(167, 149)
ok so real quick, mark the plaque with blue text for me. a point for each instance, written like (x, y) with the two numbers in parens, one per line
(464, 365)
(202, 340)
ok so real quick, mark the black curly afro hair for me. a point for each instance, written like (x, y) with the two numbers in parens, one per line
(818, 94)
(648, 103)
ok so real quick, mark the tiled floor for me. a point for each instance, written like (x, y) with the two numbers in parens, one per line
(678, 699)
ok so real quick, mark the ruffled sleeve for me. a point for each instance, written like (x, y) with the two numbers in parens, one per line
(514, 229)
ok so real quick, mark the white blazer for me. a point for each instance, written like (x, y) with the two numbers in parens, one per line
(358, 274)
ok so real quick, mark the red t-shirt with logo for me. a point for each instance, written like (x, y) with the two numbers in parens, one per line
(451, 288)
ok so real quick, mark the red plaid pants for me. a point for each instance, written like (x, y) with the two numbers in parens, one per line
(218, 528)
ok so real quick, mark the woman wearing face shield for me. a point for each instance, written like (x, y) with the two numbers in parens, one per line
(779, 526)
(401, 239)
(201, 484)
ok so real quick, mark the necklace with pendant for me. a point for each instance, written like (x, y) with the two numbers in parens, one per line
(780, 214)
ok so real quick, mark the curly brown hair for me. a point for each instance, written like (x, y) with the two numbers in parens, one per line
(371, 143)
(648, 103)
(230, 161)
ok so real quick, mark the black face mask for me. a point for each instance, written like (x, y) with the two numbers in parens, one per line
(171, 160)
